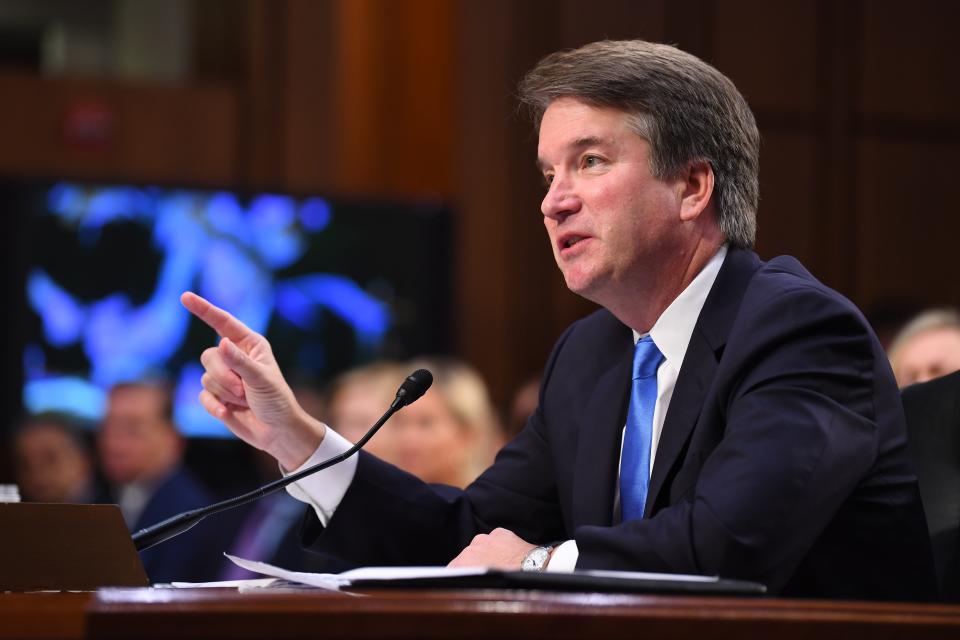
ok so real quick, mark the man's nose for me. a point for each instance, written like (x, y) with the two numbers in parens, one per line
(561, 200)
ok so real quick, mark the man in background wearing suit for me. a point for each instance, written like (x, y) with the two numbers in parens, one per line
(140, 454)
(933, 425)
(720, 415)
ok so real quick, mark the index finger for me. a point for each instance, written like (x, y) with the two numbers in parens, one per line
(219, 320)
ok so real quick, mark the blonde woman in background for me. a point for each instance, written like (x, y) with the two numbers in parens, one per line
(356, 399)
(450, 434)
(927, 347)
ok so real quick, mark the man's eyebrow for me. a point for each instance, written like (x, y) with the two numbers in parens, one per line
(576, 145)
(587, 141)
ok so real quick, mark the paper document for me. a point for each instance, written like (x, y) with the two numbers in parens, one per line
(335, 581)
(387, 574)
(329, 581)
(407, 573)
(483, 578)
(253, 583)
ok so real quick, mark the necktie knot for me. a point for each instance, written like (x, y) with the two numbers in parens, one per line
(646, 358)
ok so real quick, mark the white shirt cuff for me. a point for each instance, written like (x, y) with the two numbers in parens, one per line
(325, 489)
(564, 558)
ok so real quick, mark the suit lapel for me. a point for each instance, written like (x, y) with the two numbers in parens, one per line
(595, 475)
(696, 376)
(700, 364)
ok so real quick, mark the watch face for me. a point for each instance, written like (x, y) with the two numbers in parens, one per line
(536, 560)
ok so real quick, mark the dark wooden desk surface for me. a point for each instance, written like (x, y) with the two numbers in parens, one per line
(219, 613)
(44, 615)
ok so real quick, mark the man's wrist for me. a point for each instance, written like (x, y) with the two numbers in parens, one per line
(563, 558)
(325, 490)
(300, 442)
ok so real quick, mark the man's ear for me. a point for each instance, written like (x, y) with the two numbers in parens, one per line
(697, 190)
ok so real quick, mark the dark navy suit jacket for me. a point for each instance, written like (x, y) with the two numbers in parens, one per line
(782, 457)
(933, 425)
(195, 556)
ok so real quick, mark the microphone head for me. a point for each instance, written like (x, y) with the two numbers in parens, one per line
(413, 387)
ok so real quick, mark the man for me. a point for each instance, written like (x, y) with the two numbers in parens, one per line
(927, 347)
(52, 460)
(933, 425)
(140, 453)
(753, 430)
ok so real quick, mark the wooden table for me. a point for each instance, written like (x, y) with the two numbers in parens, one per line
(220, 613)
(44, 615)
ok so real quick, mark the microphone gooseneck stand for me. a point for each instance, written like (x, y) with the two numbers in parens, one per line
(412, 388)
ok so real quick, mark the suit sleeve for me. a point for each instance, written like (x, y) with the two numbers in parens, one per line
(795, 432)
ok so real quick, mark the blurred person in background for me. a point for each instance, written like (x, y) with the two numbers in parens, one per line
(357, 398)
(927, 347)
(141, 454)
(52, 460)
(451, 434)
(267, 530)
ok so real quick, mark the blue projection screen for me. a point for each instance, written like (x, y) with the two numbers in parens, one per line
(330, 283)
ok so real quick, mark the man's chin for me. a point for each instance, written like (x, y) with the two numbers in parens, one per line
(583, 287)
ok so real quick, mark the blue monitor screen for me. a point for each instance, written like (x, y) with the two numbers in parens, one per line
(331, 283)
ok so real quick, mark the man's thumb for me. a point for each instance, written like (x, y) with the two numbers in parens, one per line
(240, 362)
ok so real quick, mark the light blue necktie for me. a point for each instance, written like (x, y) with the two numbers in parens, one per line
(635, 460)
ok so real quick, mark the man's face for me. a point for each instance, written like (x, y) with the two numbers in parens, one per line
(51, 467)
(135, 440)
(431, 443)
(612, 225)
(928, 355)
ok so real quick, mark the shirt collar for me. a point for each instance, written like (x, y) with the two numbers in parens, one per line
(672, 330)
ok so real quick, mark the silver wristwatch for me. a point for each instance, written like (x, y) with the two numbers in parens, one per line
(536, 559)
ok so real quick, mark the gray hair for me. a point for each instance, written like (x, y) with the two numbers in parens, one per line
(930, 320)
(687, 110)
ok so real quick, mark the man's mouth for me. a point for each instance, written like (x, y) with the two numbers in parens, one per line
(569, 241)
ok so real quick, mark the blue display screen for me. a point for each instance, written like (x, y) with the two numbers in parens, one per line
(331, 283)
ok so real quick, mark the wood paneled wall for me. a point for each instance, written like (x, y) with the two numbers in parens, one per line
(857, 100)
(858, 103)
(104, 129)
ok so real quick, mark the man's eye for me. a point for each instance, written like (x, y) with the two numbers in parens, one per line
(591, 161)
(547, 179)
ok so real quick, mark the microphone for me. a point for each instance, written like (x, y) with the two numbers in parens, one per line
(412, 388)
(415, 385)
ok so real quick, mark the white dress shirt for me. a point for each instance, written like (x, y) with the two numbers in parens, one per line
(672, 331)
